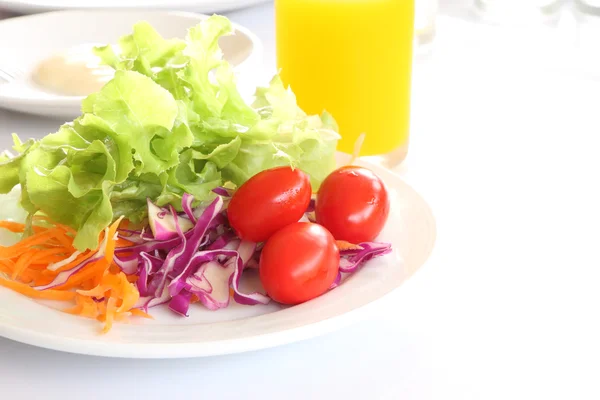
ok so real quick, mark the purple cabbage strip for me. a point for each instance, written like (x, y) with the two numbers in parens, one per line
(221, 241)
(232, 268)
(177, 286)
(154, 283)
(238, 296)
(205, 241)
(172, 258)
(129, 265)
(192, 244)
(63, 276)
(144, 272)
(155, 261)
(351, 260)
(337, 281)
(361, 247)
(246, 250)
(149, 265)
(146, 235)
(181, 303)
(197, 280)
(197, 260)
(211, 284)
(221, 191)
(186, 203)
(132, 236)
(145, 303)
(201, 287)
(154, 245)
(219, 220)
(130, 232)
(132, 239)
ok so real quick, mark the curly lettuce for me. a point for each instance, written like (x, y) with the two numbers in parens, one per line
(170, 122)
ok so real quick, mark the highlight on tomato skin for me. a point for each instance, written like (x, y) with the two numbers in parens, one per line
(298, 263)
(353, 204)
(269, 201)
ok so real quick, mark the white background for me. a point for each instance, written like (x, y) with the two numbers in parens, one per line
(505, 148)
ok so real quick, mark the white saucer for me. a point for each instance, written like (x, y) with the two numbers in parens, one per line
(35, 37)
(31, 6)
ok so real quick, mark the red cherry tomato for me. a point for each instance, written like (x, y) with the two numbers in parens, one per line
(269, 201)
(353, 204)
(299, 263)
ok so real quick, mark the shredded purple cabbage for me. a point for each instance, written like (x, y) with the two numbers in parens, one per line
(352, 260)
(204, 262)
(223, 192)
(207, 262)
(186, 203)
(338, 280)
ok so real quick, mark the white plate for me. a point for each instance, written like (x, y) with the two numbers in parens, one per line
(410, 229)
(35, 37)
(32, 6)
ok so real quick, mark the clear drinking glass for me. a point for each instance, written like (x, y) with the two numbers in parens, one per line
(591, 7)
(354, 60)
(518, 11)
(425, 15)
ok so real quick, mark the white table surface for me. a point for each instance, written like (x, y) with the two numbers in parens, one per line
(507, 153)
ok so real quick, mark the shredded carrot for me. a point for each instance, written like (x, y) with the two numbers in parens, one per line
(99, 290)
(111, 309)
(26, 244)
(121, 243)
(12, 226)
(90, 271)
(17, 227)
(129, 295)
(21, 264)
(343, 245)
(65, 241)
(36, 294)
(45, 254)
(139, 313)
(125, 224)
(87, 285)
(83, 257)
(86, 307)
(75, 310)
(110, 246)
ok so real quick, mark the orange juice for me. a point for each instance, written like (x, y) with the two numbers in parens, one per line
(352, 58)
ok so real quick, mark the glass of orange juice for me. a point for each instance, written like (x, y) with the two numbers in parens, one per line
(352, 58)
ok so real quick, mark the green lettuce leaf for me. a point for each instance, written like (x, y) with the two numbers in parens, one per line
(171, 121)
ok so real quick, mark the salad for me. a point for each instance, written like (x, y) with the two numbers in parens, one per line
(169, 186)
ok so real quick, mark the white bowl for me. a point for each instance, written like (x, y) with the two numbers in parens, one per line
(36, 37)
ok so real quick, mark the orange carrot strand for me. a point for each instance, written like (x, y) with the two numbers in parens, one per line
(139, 313)
(31, 292)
